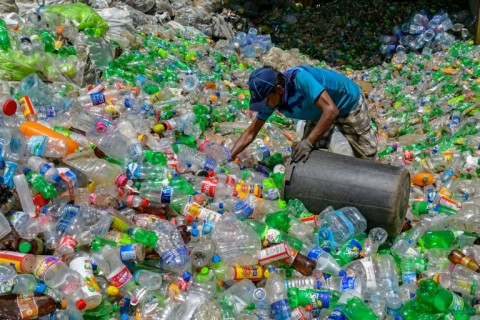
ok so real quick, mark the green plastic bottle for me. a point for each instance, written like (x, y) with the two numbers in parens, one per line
(319, 299)
(39, 183)
(437, 239)
(356, 309)
(5, 44)
(146, 237)
(271, 235)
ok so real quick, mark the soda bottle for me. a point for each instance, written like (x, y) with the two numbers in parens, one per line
(40, 184)
(317, 298)
(271, 235)
(13, 306)
(226, 272)
(458, 257)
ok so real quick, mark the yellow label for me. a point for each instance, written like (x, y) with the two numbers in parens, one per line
(253, 272)
(27, 306)
(119, 224)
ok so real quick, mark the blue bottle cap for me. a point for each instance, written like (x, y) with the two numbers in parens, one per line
(216, 259)
(25, 170)
(56, 177)
(187, 276)
(342, 273)
(40, 288)
(194, 224)
(124, 317)
(195, 233)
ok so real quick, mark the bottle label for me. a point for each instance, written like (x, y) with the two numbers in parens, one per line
(265, 152)
(254, 273)
(6, 283)
(44, 168)
(348, 283)
(272, 236)
(166, 195)
(280, 309)
(206, 214)
(243, 210)
(120, 278)
(209, 186)
(210, 164)
(273, 253)
(128, 252)
(337, 315)
(446, 192)
(169, 256)
(70, 212)
(230, 180)
(320, 299)
(370, 272)
(97, 98)
(83, 265)
(409, 277)
(68, 242)
(18, 219)
(26, 106)
(36, 145)
(207, 227)
(298, 314)
(43, 267)
(314, 253)
(449, 203)
(27, 306)
(134, 171)
(171, 124)
(13, 259)
(457, 303)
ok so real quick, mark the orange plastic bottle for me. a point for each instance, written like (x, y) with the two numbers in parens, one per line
(30, 128)
(422, 179)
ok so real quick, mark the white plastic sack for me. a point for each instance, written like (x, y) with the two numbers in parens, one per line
(120, 23)
(339, 144)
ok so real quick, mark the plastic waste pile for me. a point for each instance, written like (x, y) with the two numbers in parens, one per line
(120, 199)
(425, 33)
(351, 39)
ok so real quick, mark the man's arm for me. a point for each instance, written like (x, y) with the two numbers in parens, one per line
(329, 114)
(247, 137)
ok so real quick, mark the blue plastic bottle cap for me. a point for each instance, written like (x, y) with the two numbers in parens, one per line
(25, 170)
(194, 224)
(342, 273)
(187, 276)
(195, 232)
(125, 316)
(56, 177)
(40, 288)
(216, 259)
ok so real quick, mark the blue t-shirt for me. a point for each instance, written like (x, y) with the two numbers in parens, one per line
(307, 84)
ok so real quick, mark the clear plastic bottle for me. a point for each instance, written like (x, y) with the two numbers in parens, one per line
(24, 225)
(102, 97)
(277, 296)
(238, 296)
(148, 279)
(325, 262)
(203, 250)
(98, 170)
(138, 170)
(170, 246)
(47, 170)
(338, 226)
(57, 276)
(194, 158)
(376, 237)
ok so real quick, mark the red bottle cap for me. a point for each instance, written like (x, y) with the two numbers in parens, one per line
(121, 180)
(40, 201)
(145, 203)
(81, 304)
(10, 107)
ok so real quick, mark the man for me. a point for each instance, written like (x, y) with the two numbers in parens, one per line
(324, 98)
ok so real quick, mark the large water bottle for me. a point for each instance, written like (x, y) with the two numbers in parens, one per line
(194, 158)
(277, 296)
(170, 246)
(339, 225)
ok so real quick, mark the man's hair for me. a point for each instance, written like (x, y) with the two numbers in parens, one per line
(279, 77)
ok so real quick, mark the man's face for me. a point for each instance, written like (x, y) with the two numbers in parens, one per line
(274, 97)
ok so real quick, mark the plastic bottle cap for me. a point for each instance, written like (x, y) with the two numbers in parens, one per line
(187, 276)
(211, 173)
(266, 274)
(309, 308)
(56, 177)
(10, 107)
(125, 316)
(204, 271)
(121, 180)
(40, 288)
(25, 170)
(216, 259)
(64, 304)
(195, 232)
(145, 203)
(25, 247)
(194, 224)
(112, 291)
(189, 219)
(342, 273)
(100, 126)
(81, 304)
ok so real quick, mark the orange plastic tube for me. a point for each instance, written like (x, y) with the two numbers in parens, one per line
(31, 128)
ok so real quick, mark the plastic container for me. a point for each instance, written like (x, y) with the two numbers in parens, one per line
(380, 192)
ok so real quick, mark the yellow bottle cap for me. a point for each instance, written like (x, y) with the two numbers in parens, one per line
(266, 274)
(112, 291)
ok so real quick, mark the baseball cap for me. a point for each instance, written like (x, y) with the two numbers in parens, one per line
(260, 84)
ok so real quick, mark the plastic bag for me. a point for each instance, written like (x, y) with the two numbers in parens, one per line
(339, 144)
(120, 23)
(141, 5)
(7, 6)
(82, 14)
(139, 18)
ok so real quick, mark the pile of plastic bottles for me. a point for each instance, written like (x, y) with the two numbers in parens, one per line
(121, 200)
(352, 39)
(423, 33)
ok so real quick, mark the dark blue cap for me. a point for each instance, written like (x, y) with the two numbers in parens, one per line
(260, 84)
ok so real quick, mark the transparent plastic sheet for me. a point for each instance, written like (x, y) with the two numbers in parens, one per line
(14, 66)
(191, 16)
(7, 6)
(139, 18)
(339, 144)
(121, 25)
(141, 5)
(85, 16)
(286, 59)
(164, 6)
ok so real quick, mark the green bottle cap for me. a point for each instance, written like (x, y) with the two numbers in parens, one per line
(25, 247)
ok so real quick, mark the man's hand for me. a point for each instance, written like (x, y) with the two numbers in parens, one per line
(302, 151)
